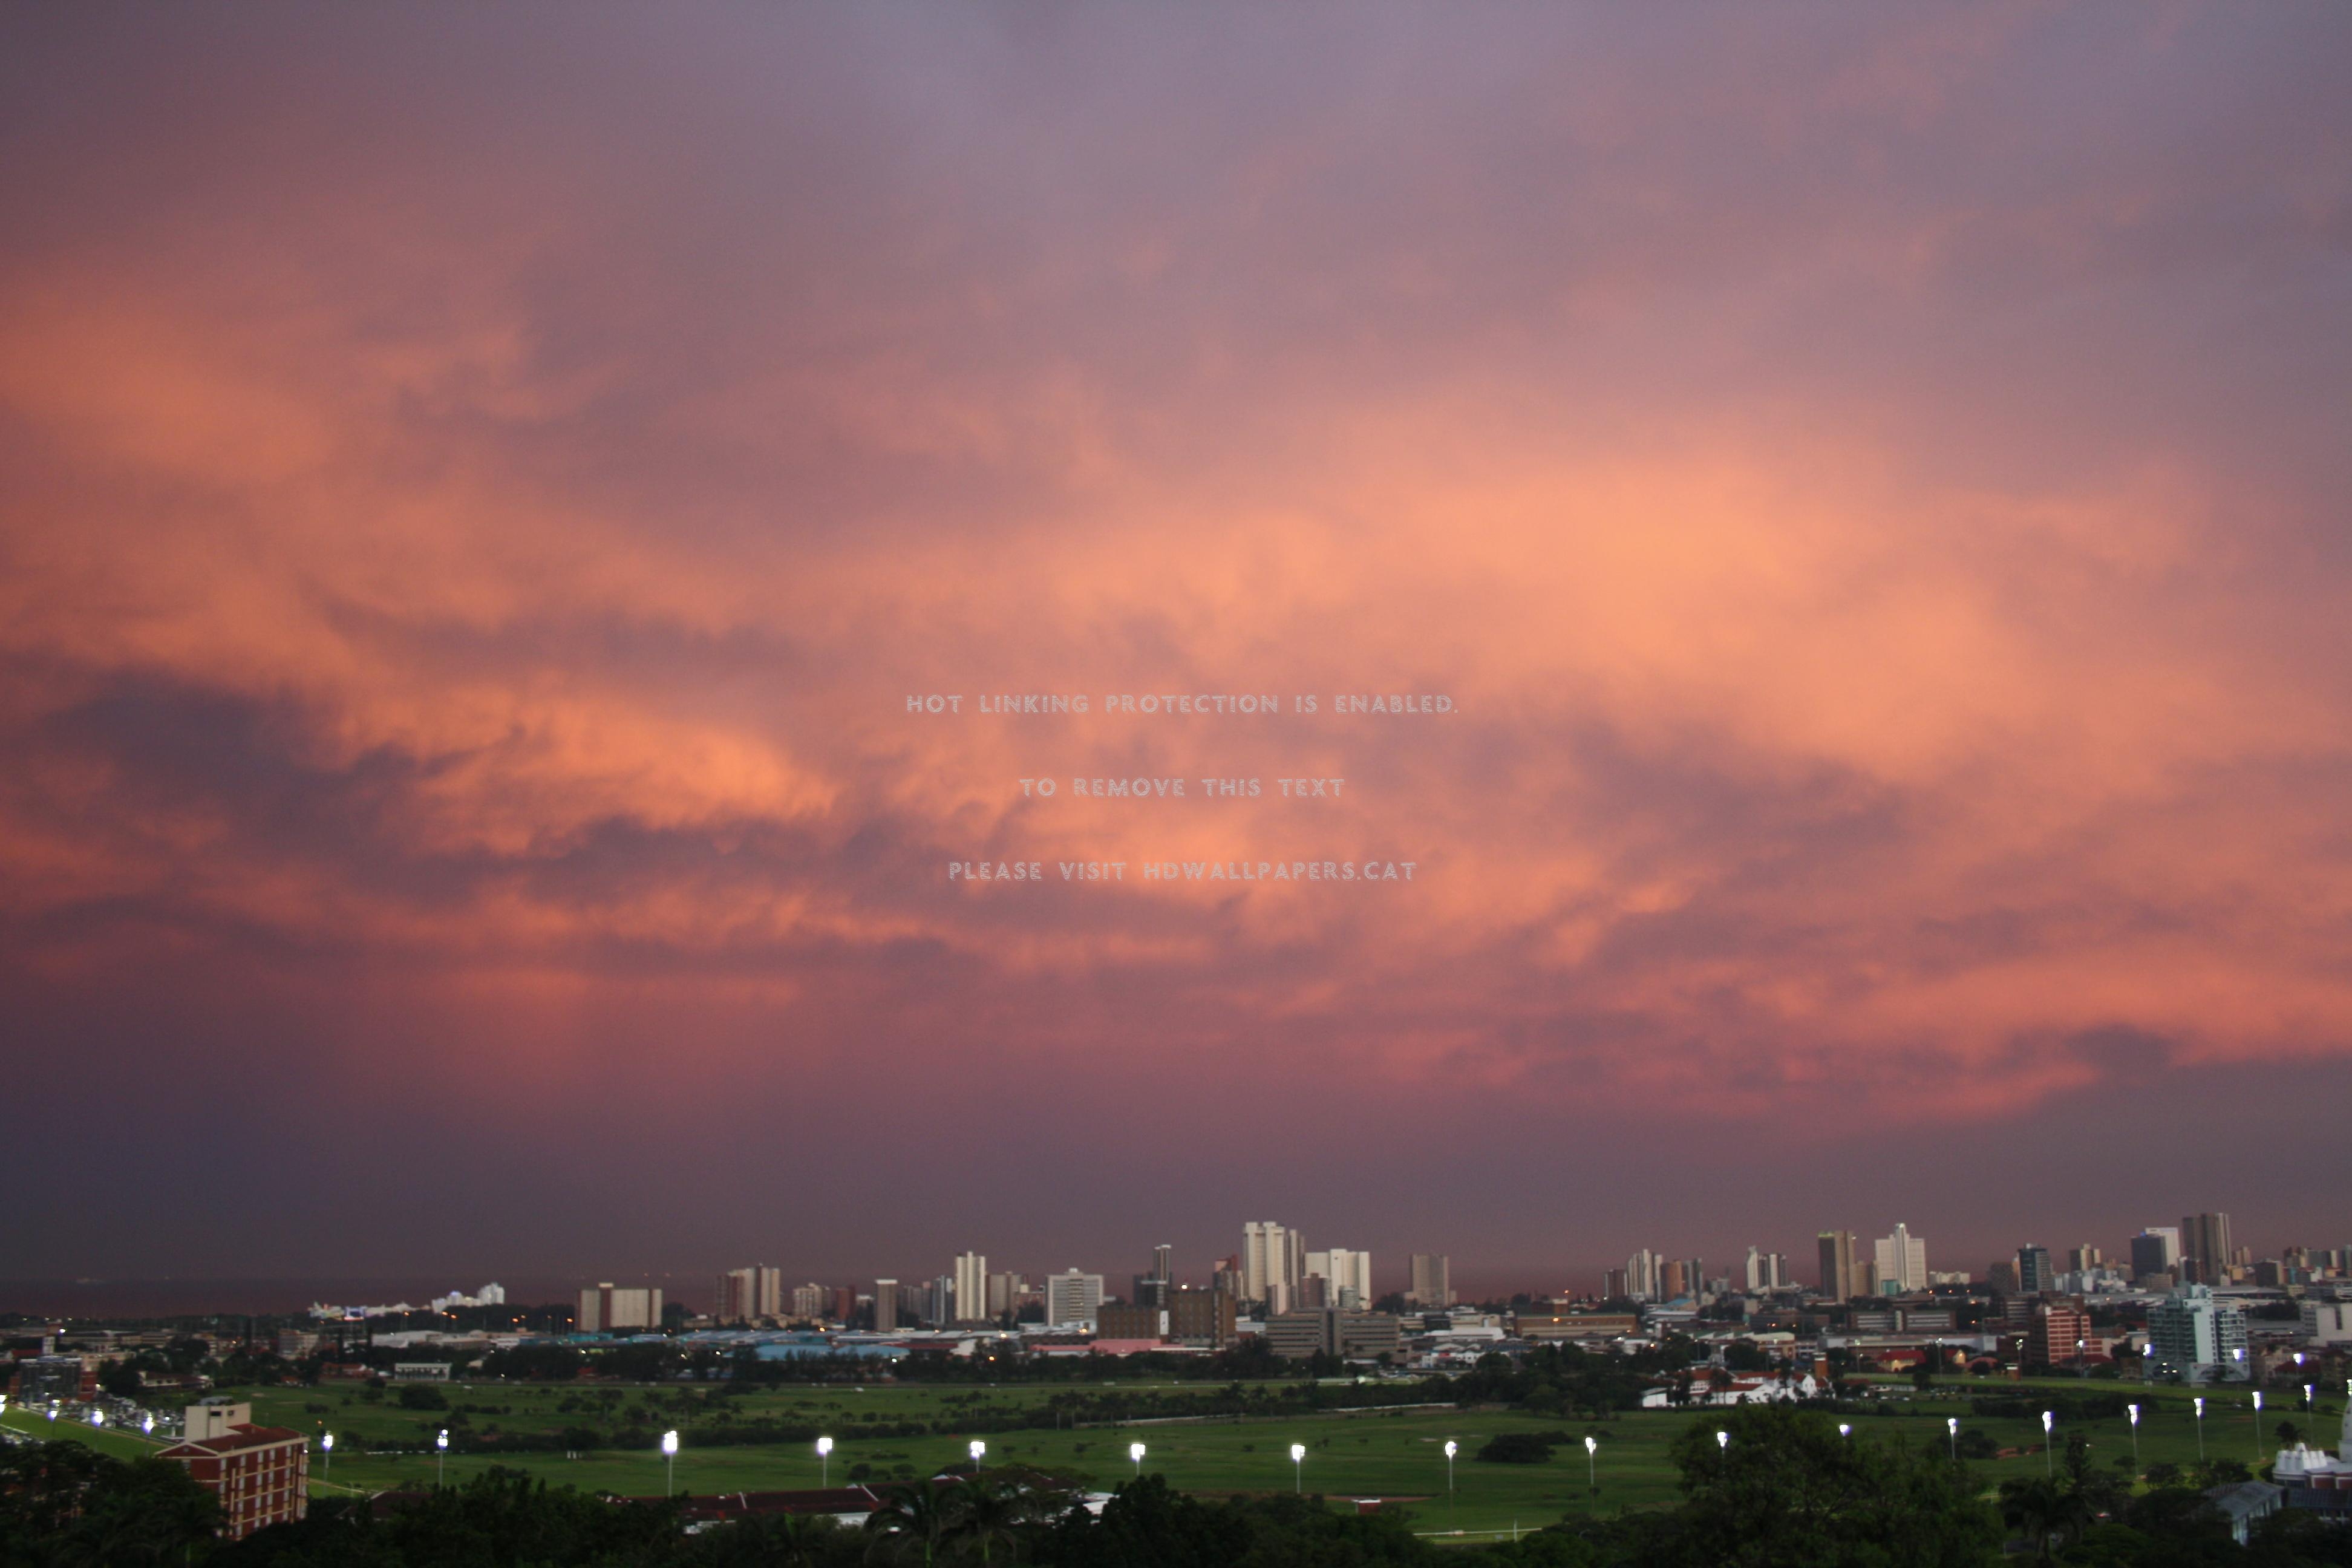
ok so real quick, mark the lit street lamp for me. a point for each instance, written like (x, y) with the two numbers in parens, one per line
(1298, 1466)
(1591, 1476)
(1952, 1430)
(979, 1450)
(2133, 1411)
(1135, 1452)
(326, 1443)
(2201, 1428)
(2258, 1426)
(1450, 1446)
(440, 1454)
(669, 1455)
(147, 1423)
(1845, 1429)
(97, 1417)
(2047, 1467)
(825, 1461)
(1722, 1441)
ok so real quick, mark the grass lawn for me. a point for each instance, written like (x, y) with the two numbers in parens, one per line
(1390, 1455)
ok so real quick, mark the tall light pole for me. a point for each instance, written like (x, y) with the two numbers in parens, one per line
(825, 1461)
(1135, 1452)
(669, 1455)
(2201, 1428)
(2049, 1467)
(1450, 1447)
(2133, 1411)
(1299, 1466)
(440, 1454)
(1845, 1429)
(1722, 1441)
(1952, 1430)
(2258, 1426)
(1592, 1472)
(327, 1444)
(979, 1450)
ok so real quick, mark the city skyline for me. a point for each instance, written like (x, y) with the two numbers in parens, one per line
(1842, 512)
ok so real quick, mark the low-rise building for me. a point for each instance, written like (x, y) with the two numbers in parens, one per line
(261, 1474)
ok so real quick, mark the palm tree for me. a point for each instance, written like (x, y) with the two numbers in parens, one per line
(908, 1515)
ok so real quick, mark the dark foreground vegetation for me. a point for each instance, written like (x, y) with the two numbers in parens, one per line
(1785, 1490)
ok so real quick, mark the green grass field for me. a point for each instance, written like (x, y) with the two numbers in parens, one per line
(1390, 1455)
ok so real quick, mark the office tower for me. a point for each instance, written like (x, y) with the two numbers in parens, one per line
(1673, 1280)
(1837, 1265)
(885, 1305)
(2033, 1271)
(604, 1309)
(2156, 1253)
(1433, 1281)
(1902, 1261)
(970, 1286)
(1163, 1262)
(845, 1303)
(1153, 1286)
(1765, 1270)
(1202, 1317)
(2083, 1259)
(1004, 1293)
(2205, 1249)
(2002, 1277)
(2196, 1337)
(1642, 1276)
(1227, 1276)
(810, 1300)
(1072, 1299)
(1613, 1286)
(2058, 1334)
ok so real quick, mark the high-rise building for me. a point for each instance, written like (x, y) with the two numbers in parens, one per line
(1272, 1259)
(2083, 1259)
(1347, 1275)
(2035, 1274)
(604, 1309)
(748, 1295)
(1613, 1285)
(2205, 1248)
(1073, 1297)
(1674, 1280)
(1837, 1265)
(809, 1301)
(2156, 1253)
(1433, 1281)
(1902, 1261)
(1645, 1276)
(1004, 1293)
(1765, 1270)
(970, 1286)
(885, 1305)
(1202, 1317)
(2196, 1337)
(260, 1474)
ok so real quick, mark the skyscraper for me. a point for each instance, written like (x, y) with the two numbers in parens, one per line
(1644, 1276)
(971, 1288)
(1837, 1265)
(1902, 1261)
(2155, 1252)
(1433, 1281)
(2033, 1272)
(1348, 1277)
(2205, 1249)
(1765, 1270)
(1273, 1258)
(885, 1305)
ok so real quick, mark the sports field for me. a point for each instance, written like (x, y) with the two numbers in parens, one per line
(1392, 1455)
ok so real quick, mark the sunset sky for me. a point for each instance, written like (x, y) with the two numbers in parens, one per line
(1875, 484)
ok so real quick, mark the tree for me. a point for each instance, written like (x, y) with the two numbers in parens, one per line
(1784, 1490)
(910, 1517)
(63, 1503)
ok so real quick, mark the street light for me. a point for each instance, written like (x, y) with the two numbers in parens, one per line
(1450, 1446)
(440, 1454)
(2258, 1426)
(1845, 1429)
(326, 1442)
(1135, 1452)
(2201, 1428)
(2133, 1411)
(669, 1454)
(1952, 1430)
(96, 1416)
(978, 1449)
(1591, 1476)
(1297, 1469)
(1722, 1440)
(147, 1423)
(825, 1461)
(2047, 1418)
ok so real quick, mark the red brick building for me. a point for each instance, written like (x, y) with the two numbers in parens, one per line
(261, 1474)
(2057, 1327)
